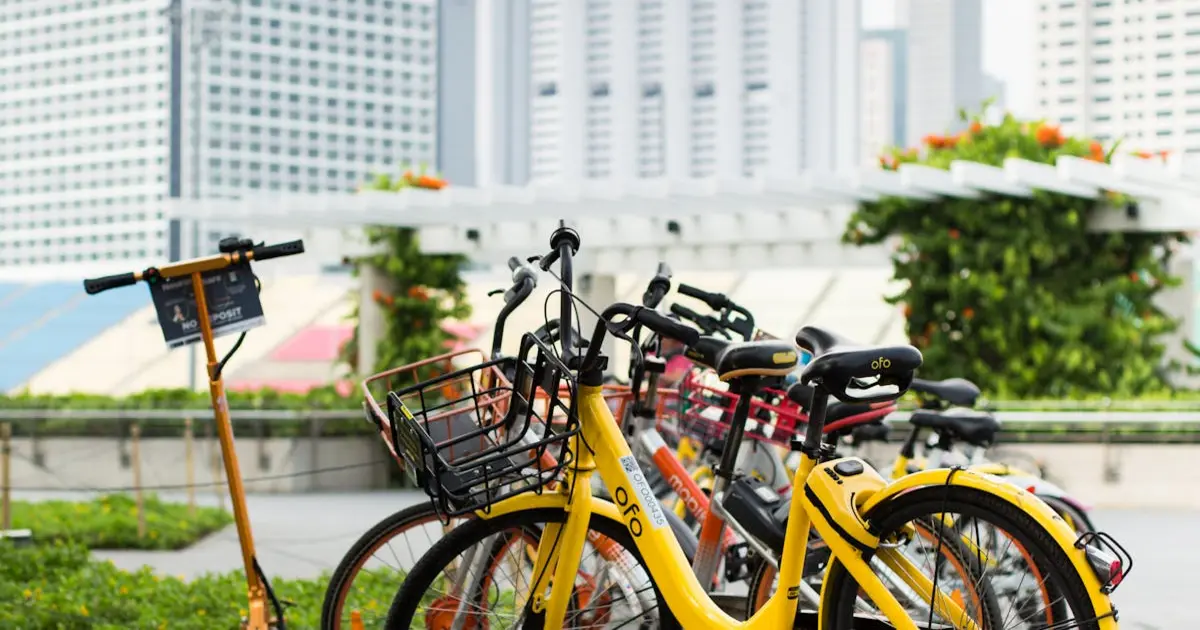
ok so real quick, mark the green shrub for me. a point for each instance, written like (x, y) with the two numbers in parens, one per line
(59, 587)
(110, 522)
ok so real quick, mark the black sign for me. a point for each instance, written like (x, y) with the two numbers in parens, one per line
(233, 305)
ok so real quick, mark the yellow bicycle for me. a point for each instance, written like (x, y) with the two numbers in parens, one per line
(496, 471)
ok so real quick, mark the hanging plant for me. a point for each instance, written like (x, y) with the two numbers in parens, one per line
(424, 290)
(1015, 293)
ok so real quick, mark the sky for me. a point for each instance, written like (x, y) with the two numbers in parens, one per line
(1006, 55)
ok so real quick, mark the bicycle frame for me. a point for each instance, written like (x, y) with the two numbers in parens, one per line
(835, 518)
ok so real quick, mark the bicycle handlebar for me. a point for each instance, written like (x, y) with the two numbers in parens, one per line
(524, 280)
(708, 325)
(660, 285)
(661, 324)
(210, 263)
(715, 301)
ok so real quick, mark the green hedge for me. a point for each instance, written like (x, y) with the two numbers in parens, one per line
(110, 522)
(60, 587)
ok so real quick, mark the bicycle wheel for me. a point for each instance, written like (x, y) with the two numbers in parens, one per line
(955, 564)
(373, 567)
(1054, 598)
(606, 594)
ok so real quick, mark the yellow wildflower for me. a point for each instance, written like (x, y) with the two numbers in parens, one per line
(83, 610)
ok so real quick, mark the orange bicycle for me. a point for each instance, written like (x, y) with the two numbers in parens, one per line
(199, 300)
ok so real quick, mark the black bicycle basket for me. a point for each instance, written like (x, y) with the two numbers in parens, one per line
(488, 432)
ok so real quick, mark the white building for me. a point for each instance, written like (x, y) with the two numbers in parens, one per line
(624, 89)
(882, 94)
(945, 63)
(1113, 70)
(293, 95)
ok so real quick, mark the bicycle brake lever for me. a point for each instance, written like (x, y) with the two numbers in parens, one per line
(495, 292)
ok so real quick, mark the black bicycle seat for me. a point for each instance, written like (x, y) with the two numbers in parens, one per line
(956, 391)
(977, 428)
(840, 364)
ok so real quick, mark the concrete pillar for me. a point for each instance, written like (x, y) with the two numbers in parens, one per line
(371, 322)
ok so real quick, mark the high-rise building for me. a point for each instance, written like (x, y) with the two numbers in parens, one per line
(882, 94)
(277, 95)
(945, 63)
(625, 89)
(1122, 70)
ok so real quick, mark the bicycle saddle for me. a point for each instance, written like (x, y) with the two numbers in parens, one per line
(843, 366)
(956, 391)
(735, 359)
(977, 428)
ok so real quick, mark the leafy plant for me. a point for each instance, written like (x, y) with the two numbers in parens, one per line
(110, 522)
(58, 586)
(1015, 293)
(423, 290)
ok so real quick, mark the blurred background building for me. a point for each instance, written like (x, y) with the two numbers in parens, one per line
(108, 108)
(1121, 70)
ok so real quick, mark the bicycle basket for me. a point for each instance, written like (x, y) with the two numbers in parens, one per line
(487, 438)
(705, 411)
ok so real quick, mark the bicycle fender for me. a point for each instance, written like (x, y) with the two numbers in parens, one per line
(1062, 533)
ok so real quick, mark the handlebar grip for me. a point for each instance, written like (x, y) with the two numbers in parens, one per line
(267, 252)
(685, 312)
(667, 327)
(96, 285)
(715, 301)
(660, 285)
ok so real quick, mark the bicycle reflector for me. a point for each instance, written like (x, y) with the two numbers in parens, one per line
(1110, 562)
(1106, 565)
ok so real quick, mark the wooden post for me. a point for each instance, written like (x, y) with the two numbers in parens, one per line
(135, 446)
(189, 466)
(5, 476)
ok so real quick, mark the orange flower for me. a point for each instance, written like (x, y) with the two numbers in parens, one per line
(949, 142)
(975, 127)
(1096, 152)
(1049, 136)
(1164, 154)
(407, 176)
(968, 313)
(377, 295)
(935, 142)
(431, 183)
(907, 311)
(954, 233)
(1142, 154)
(389, 300)
(1135, 277)
(418, 293)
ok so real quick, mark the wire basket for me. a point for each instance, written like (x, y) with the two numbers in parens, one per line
(482, 434)
(704, 413)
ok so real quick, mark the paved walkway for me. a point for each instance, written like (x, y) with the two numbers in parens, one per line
(301, 535)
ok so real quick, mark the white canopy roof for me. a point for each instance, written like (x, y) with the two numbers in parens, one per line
(718, 223)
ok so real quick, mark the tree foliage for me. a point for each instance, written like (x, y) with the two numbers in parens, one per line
(1015, 293)
(423, 291)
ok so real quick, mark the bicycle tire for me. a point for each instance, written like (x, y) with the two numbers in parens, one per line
(422, 577)
(1076, 518)
(397, 524)
(970, 502)
(363, 549)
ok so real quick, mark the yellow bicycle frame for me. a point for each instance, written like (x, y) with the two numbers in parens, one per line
(840, 526)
